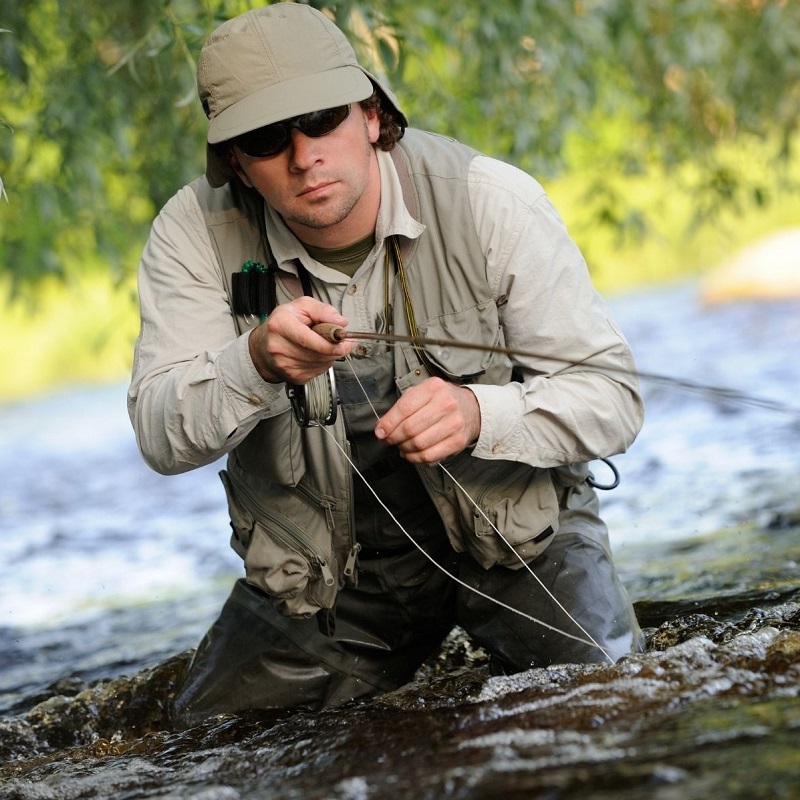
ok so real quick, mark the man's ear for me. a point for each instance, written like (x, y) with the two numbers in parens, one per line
(236, 166)
(373, 122)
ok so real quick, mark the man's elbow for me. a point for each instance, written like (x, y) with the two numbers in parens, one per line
(633, 420)
(155, 447)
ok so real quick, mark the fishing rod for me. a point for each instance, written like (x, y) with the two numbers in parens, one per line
(337, 333)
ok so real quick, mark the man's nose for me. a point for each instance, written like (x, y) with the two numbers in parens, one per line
(303, 150)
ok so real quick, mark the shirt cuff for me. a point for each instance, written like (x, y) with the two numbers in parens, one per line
(501, 414)
(246, 390)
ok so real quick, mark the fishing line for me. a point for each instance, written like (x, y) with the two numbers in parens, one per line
(441, 568)
(525, 564)
(589, 640)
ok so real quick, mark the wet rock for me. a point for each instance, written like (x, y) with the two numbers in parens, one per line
(111, 711)
(684, 714)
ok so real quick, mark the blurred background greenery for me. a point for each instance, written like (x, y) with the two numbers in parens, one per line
(664, 130)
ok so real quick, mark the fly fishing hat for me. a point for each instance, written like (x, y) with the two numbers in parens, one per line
(271, 64)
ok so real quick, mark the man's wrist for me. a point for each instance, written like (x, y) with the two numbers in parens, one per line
(259, 360)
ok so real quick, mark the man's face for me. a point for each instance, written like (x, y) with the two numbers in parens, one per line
(327, 188)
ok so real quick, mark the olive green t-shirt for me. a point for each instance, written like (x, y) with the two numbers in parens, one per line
(344, 259)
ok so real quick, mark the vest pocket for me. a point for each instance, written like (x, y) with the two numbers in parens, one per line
(281, 556)
(478, 323)
(511, 513)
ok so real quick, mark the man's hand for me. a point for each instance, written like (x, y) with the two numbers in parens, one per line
(431, 421)
(285, 349)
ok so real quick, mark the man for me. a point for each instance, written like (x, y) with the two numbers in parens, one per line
(379, 493)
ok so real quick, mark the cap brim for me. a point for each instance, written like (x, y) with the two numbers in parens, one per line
(290, 98)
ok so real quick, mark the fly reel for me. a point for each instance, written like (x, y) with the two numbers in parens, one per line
(316, 402)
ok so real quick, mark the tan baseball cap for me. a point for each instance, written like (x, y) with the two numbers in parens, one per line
(271, 64)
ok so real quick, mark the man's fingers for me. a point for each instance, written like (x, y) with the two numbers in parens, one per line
(431, 421)
(284, 348)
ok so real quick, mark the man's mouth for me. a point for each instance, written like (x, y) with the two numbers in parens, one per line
(316, 188)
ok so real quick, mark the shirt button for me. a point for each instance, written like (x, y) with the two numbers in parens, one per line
(497, 448)
(352, 289)
(254, 400)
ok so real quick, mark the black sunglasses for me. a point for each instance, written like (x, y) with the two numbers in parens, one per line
(273, 139)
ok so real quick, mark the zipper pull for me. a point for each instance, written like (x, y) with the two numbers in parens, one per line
(350, 566)
(328, 506)
(327, 575)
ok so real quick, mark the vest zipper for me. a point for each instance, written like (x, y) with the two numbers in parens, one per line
(350, 566)
(317, 500)
(328, 505)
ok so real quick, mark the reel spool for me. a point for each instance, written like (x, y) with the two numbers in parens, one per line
(314, 403)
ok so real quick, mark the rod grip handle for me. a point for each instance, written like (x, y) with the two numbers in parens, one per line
(327, 330)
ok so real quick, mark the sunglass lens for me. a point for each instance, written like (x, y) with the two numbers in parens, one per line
(320, 123)
(262, 142)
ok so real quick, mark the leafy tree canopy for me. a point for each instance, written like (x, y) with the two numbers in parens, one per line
(99, 122)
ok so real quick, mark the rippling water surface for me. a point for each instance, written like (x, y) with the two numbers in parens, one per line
(109, 573)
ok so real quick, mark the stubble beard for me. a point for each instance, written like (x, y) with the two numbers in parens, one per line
(327, 216)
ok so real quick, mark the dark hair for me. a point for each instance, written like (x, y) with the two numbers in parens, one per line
(392, 129)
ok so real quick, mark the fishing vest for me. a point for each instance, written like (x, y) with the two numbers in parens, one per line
(289, 488)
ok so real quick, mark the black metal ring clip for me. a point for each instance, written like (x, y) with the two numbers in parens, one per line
(605, 486)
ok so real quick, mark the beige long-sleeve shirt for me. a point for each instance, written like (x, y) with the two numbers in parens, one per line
(195, 393)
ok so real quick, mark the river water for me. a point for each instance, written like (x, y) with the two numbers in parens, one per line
(110, 573)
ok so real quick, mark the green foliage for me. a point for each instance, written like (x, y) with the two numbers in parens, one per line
(99, 123)
(608, 87)
(99, 139)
